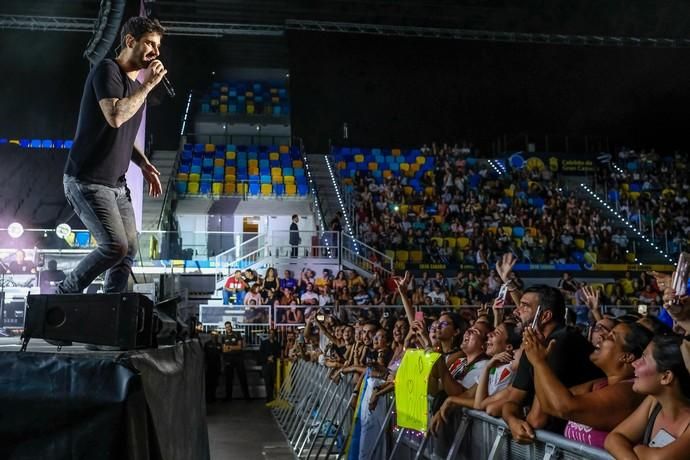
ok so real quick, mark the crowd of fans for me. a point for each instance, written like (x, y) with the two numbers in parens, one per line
(651, 191)
(622, 385)
(462, 200)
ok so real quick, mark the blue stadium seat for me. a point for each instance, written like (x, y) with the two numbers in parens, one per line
(279, 189)
(181, 187)
(205, 187)
(302, 189)
(68, 144)
(254, 188)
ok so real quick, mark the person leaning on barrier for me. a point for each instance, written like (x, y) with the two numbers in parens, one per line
(593, 408)
(660, 427)
(544, 307)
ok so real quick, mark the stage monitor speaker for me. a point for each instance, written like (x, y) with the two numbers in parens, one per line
(119, 320)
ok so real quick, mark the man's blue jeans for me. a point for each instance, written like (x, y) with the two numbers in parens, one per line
(108, 214)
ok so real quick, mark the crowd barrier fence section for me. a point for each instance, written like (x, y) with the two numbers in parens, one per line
(315, 413)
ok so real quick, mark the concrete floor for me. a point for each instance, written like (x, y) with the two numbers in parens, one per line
(244, 430)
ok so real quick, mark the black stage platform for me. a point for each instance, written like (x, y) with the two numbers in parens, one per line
(79, 404)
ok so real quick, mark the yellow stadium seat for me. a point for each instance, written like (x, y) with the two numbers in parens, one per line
(182, 176)
(402, 256)
(579, 243)
(274, 156)
(414, 167)
(532, 232)
(463, 242)
(230, 170)
(634, 195)
(230, 155)
(508, 231)
(242, 188)
(396, 152)
(253, 171)
(342, 165)
(249, 94)
(509, 192)
(284, 149)
(625, 187)
(218, 163)
(217, 188)
(417, 208)
(224, 108)
(373, 166)
(277, 179)
(266, 189)
(387, 173)
(438, 219)
(454, 300)
(390, 253)
(290, 189)
(277, 171)
(630, 257)
(359, 158)
(416, 256)
(438, 240)
(194, 177)
(250, 108)
(451, 242)
(224, 97)
(193, 187)
(420, 160)
(252, 163)
(429, 191)
(404, 167)
(596, 286)
(289, 180)
(491, 230)
(229, 188)
(297, 164)
(403, 209)
(347, 181)
(608, 288)
(230, 178)
(210, 147)
(408, 190)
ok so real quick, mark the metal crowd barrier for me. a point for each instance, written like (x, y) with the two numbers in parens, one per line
(316, 417)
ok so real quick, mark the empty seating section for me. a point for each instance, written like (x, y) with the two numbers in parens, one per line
(228, 169)
(246, 98)
(38, 143)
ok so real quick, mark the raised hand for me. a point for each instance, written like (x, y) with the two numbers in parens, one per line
(533, 346)
(591, 297)
(505, 265)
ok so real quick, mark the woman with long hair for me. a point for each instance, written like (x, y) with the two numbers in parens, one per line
(593, 408)
(659, 427)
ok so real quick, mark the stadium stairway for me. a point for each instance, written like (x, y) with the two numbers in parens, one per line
(164, 161)
(328, 198)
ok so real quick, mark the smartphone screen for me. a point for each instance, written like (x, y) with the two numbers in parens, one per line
(419, 316)
(680, 276)
(320, 318)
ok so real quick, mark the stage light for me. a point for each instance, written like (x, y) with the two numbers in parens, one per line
(63, 230)
(15, 230)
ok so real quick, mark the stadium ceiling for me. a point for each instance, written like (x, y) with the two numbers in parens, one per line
(212, 29)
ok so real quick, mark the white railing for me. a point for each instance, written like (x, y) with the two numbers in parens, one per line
(309, 244)
(365, 257)
(241, 255)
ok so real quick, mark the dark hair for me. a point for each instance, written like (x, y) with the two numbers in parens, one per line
(637, 339)
(137, 26)
(371, 322)
(657, 326)
(295, 216)
(514, 337)
(460, 325)
(228, 322)
(550, 299)
(668, 357)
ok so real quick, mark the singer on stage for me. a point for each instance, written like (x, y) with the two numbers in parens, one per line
(110, 113)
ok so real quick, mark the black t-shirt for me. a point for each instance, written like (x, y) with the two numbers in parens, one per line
(232, 339)
(100, 153)
(569, 360)
(24, 268)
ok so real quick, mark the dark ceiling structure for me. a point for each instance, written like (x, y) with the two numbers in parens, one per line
(637, 19)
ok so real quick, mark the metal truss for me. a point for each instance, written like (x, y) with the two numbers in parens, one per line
(485, 35)
(200, 29)
(210, 29)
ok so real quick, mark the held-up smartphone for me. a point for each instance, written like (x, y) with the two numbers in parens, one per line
(642, 309)
(386, 314)
(419, 316)
(321, 317)
(680, 276)
(501, 298)
(535, 321)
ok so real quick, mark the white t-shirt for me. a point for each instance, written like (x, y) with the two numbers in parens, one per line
(467, 377)
(499, 378)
